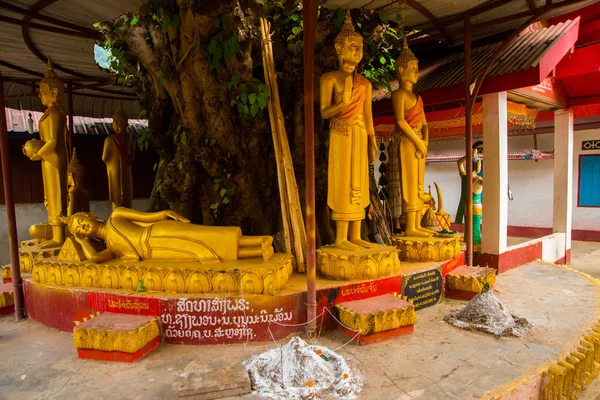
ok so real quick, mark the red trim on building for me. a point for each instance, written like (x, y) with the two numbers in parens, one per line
(538, 232)
(510, 259)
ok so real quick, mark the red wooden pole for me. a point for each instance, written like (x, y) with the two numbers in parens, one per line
(70, 112)
(309, 11)
(468, 144)
(10, 211)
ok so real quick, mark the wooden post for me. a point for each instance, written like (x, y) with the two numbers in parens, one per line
(309, 11)
(468, 144)
(13, 241)
(70, 111)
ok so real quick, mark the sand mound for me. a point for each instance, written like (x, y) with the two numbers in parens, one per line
(297, 371)
(486, 313)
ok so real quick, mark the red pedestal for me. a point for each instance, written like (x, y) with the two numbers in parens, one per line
(7, 310)
(118, 356)
(379, 336)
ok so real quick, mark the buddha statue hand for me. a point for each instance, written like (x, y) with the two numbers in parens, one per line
(348, 87)
(176, 216)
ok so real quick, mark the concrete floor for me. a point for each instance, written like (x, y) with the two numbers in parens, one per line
(436, 362)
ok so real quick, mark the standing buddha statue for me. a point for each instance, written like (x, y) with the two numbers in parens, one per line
(78, 200)
(117, 155)
(51, 150)
(345, 99)
(410, 142)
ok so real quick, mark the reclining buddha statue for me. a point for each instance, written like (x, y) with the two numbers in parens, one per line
(163, 236)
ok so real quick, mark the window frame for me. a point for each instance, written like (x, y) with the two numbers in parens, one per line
(579, 181)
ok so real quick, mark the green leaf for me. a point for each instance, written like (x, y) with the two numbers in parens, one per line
(263, 87)
(339, 19)
(134, 21)
(228, 176)
(252, 98)
(216, 22)
(184, 137)
(212, 142)
(223, 191)
(212, 46)
(165, 23)
(155, 166)
(226, 200)
(382, 60)
(244, 97)
(296, 30)
(198, 44)
(161, 162)
(180, 165)
(384, 17)
(217, 180)
(224, 21)
(216, 187)
(254, 109)
(294, 17)
(263, 99)
(214, 206)
(159, 81)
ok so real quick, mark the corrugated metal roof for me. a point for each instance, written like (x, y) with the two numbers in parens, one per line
(18, 121)
(525, 52)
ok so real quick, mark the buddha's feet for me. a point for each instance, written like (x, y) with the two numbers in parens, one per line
(426, 230)
(364, 243)
(347, 245)
(417, 233)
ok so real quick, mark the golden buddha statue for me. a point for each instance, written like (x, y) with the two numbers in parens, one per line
(410, 142)
(78, 199)
(346, 101)
(117, 155)
(163, 236)
(51, 150)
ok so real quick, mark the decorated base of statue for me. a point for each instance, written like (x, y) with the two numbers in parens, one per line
(30, 253)
(6, 276)
(357, 264)
(377, 318)
(251, 276)
(465, 282)
(116, 337)
(432, 248)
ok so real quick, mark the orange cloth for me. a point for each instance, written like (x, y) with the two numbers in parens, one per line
(358, 99)
(414, 116)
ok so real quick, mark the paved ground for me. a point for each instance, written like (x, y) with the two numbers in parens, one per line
(436, 362)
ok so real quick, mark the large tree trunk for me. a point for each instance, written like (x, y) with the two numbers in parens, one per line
(217, 165)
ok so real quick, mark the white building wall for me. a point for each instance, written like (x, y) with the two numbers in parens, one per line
(531, 182)
(29, 214)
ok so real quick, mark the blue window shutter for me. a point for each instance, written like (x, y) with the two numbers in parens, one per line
(589, 181)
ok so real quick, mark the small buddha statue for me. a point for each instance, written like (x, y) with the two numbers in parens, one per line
(410, 142)
(78, 199)
(163, 236)
(345, 99)
(51, 150)
(117, 155)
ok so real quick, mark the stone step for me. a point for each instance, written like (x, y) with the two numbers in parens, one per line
(7, 299)
(116, 337)
(465, 282)
(378, 318)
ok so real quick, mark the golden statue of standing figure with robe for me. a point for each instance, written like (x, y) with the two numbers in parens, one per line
(78, 199)
(117, 155)
(51, 150)
(410, 142)
(346, 102)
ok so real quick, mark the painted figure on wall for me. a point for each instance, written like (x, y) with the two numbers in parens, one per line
(346, 102)
(462, 171)
(163, 236)
(51, 150)
(409, 145)
(118, 157)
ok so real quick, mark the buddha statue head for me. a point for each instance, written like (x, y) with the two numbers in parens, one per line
(51, 87)
(407, 65)
(349, 44)
(120, 120)
(85, 224)
(75, 171)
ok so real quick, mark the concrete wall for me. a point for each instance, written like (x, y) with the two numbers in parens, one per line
(29, 214)
(531, 182)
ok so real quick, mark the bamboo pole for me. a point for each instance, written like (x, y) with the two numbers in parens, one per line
(299, 236)
(280, 176)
